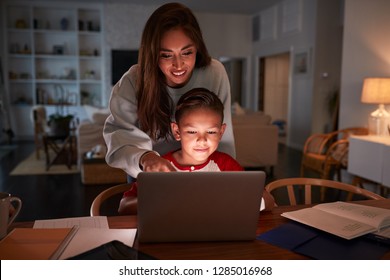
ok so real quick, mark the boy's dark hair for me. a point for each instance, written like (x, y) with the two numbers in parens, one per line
(198, 98)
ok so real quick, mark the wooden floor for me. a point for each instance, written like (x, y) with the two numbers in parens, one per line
(59, 196)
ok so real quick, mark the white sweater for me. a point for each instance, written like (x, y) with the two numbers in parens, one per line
(126, 142)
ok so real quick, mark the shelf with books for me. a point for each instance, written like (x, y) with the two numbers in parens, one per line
(51, 45)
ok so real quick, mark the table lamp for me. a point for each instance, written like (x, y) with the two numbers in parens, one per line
(377, 91)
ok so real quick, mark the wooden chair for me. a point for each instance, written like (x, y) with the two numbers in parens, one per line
(294, 187)
(324, 153)
(105, 195)
(40, 127)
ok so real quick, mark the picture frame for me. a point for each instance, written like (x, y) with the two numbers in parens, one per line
(301, 62)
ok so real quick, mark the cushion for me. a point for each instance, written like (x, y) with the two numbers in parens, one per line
(255, 118)
(100, 118)
(96, 114)
(237, 109)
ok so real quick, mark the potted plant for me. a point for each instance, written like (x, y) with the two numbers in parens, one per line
(59, 122)
(59, 125)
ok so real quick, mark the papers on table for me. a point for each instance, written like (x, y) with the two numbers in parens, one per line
(92, 232)
(90, 222)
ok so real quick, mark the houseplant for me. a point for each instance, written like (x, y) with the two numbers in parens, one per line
(59, 123)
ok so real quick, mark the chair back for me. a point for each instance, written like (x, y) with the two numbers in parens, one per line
(38, 115)
(324, 152)
(306, 185)
(105, 195)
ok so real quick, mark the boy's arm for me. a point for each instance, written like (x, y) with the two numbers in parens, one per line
(128, 205)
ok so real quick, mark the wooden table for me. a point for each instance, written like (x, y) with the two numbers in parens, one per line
(244, 250)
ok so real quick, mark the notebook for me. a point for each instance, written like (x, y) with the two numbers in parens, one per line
(199, 206)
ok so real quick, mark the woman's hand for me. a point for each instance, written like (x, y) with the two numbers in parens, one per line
(151, 162)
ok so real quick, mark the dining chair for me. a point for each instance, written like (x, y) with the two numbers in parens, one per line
(305, 190)
(327, 152)
(40, 127)
(105, 195)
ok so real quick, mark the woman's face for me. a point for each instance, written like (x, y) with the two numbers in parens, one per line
(177, 57)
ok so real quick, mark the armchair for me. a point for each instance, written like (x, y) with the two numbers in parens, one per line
(323, 153)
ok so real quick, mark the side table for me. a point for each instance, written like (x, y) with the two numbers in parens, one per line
(95, 171)
(63, 146)
(369, 158)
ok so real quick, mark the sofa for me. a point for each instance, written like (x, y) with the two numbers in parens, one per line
(91, 150)
(256, 139)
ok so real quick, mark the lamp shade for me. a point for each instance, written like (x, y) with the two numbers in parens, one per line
(376, 91)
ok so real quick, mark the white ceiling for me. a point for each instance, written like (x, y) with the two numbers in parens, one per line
(248, 7)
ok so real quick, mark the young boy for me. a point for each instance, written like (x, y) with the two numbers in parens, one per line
(199, 127)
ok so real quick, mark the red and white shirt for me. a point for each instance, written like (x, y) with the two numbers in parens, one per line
(217, 161)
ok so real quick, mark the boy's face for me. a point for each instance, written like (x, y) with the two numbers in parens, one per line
(199, 131)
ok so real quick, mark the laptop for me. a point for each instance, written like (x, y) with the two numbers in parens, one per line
(199, 206)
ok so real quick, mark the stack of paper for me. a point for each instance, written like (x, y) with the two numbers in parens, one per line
(61, 238)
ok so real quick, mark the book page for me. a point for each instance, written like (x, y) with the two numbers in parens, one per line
(91, 222)
(92, 232)
(374, 216)
(385, 233)
(340, 226)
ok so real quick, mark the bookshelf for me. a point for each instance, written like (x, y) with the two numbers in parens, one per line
(53, 57)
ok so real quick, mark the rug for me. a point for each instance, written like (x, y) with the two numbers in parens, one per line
(32, 166)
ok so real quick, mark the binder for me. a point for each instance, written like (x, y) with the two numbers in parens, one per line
(36, 243)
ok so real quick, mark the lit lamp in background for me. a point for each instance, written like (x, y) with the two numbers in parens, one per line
(377, 91)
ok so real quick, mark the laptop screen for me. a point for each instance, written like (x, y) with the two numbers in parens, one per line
(199, 206)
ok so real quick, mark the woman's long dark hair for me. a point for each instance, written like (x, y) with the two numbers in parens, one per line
(155, 106)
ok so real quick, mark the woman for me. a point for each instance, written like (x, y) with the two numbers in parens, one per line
(172, 59)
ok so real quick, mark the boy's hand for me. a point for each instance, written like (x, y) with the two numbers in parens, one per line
(151, 162)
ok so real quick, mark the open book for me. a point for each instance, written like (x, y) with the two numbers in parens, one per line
(347, 220)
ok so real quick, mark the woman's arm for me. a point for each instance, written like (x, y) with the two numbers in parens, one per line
(126, 143)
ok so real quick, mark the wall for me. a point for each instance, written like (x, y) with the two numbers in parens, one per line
(300, 93)
(123, 25)
(230, 35)
(2, 136)
(226, 35)
(366, 45)
(327, 67)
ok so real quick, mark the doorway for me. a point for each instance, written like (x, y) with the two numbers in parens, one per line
(235, 71)
(273, 89)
